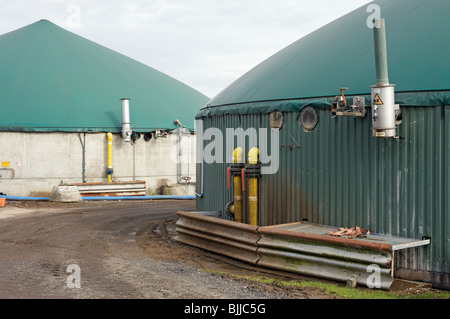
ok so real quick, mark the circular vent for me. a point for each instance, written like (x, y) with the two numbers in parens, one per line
(309, 118)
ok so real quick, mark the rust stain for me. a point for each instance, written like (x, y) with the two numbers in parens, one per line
(325, 238)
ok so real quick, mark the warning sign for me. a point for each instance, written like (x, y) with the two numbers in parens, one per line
(377, 100)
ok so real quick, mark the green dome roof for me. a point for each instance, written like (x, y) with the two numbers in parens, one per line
(54, 80)
(341, 54)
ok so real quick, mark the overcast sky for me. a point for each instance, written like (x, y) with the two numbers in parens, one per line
(207, 44)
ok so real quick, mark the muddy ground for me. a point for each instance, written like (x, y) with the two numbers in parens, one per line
(124, 249)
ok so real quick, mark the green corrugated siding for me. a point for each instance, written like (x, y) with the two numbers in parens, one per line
(342, 176)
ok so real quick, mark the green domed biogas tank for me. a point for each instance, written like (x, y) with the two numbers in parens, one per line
(54, 80)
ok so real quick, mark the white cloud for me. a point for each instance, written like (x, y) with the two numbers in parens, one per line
(206, 44)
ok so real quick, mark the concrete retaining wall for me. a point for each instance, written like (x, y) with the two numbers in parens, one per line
(41, 160)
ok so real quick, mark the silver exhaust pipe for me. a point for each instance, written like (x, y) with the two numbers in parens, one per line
(126, 126)
(382, 94)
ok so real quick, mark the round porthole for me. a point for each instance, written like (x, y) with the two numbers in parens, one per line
(309, 119)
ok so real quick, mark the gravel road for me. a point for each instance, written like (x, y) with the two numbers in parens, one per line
(114, 249)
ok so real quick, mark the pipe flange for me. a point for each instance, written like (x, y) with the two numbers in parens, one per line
(236, 168)
(253, 170)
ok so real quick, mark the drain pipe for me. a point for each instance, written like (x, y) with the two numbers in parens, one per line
(200, 154)
(83, 160)
(200, 195)
(382, 94)
(109, 170)
(253, 172)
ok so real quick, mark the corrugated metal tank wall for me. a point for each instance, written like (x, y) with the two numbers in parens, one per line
(342, 176)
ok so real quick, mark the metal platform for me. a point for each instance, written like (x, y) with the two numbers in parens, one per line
(302, 248)
(395, 243)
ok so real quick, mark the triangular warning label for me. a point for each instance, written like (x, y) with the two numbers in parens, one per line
(377, 100)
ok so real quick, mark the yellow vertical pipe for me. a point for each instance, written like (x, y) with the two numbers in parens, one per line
(237, 182)
(253, 159)
(253, 201)
(109, 170)
(238, 214)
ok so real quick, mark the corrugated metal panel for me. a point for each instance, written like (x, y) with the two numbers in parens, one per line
(342, 176)
(128, 188)
(315, 256)
(307, 252)
(236, 240)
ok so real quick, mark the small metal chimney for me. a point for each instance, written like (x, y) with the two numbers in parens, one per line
(384, 108)
(126, 127)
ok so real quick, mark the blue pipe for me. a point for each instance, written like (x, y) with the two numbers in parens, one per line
(181, 197)
(138, 197)
(24, 198)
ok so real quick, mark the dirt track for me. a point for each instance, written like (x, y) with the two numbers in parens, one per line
(123, 250)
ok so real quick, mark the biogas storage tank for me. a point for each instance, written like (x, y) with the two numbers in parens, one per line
(61, 119)
(329, 153)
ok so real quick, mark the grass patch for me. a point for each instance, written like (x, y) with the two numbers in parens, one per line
(344, 292)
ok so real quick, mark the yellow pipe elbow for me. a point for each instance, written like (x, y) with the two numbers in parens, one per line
(253, 156)
(237, 155)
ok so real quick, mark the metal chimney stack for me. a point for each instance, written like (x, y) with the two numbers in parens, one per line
(126, 127)
(383, 94)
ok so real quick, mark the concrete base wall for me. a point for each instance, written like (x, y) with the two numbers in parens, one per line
(39, 161)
